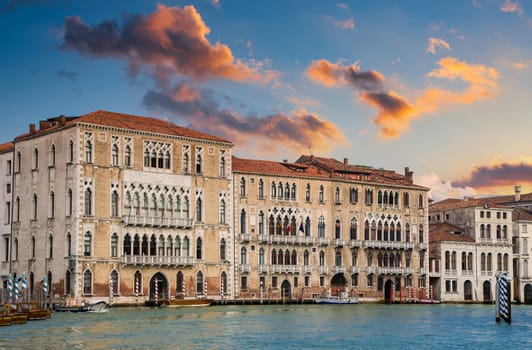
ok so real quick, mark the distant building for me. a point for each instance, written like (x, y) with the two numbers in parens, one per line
(320, 226)
(6, 194)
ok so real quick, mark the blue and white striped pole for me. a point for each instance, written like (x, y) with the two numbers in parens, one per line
(24, 286)
(16, 289)
(502, 299)
(10, 288)
(45, 286)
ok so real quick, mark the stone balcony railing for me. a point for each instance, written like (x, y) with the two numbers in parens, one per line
(388, 245)
(390, 270)
(158, 260)
(156, 221)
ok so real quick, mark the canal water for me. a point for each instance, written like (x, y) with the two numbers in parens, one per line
(364, 326)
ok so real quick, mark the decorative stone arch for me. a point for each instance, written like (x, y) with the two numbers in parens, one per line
(338, 284)
(158, 287)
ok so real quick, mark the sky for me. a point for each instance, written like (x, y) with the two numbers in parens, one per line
(441, 87)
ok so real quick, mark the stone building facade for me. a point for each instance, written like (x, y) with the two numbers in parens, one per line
(6, 193)
(319, 226)
(114, 205)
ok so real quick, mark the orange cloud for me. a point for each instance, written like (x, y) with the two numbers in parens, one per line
(511, 6)
(170, 39)
(395, 112)
(347, 24)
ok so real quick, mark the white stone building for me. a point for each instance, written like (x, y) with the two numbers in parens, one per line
(6, 189)
(489, 225)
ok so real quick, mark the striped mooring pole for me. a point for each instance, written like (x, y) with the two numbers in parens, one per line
(503, 306)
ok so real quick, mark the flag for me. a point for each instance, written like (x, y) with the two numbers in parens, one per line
(301, 228)
(288, 229)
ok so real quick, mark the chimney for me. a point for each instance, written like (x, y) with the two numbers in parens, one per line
(346, 161)
(43, 124)
(62, 120)
(517, 193)
(32, 129)
(409, 175)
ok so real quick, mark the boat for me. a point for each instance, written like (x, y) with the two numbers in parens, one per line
(185, 302)
(343, 298)
(32, 310)
(100, 306)
(16, 316)
(426, 301)
(5, 317)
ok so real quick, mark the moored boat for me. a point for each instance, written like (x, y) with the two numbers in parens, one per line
(186, 302)
(343, 298)
(32, 310)
(5, 317)
(16, 316)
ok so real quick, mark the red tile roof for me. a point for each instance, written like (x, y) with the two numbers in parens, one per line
(131, 122)
(455, 203)
(521, 214)
(267, 167)
(449, 233)
(6, 147)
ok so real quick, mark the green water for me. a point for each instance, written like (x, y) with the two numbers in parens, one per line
(278, 327)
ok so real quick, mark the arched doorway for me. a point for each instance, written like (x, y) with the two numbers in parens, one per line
(338, 284)
(468, 290)
(528, 294)
(158, 287)
(286, 289)
(487, 291)
(388, 290)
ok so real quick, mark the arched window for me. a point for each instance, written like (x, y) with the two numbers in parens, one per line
(114, 154)
(421, 233)
(293, 192)
(306, 259)
(482, 231)
(407, 232)
(274, 257)
(199, 209)
(127, 245)
(114, 245)
(406, 199)
(88, 201)
(114, 204)
(243, 221)
(287, 191)
(34, 207)
(186, 161)
(153, 245)
(488, 231)
(398, 232)
(35, 163)
(127, 156)
(68, 281)
(379, 231)
(499, 232)
(321, 194)
(366, 230)
(222, 166)
(504, 232)
(321, 227)
(51, 160)
(307, 193)
(87, 282)
(322, 258)
(87, 244)
(169, 245)
(52, 204)
(287, 257)
(88, 151)
(338, 258)
(271, 225)
(243, 256)
(242, 187)
(167, 163)
(261, 189)
(222, 211)
(379, 198)
(177, 247)
(186, 251)
(199, 283)
(186, 208)
(353, 229)
(420, 201)
(337, 229)
(353, 195)
(71, 152)
(307, 227)
(261, 223)
(273, 190)
(293, 260)
(280, 190)
(50, 246)
(261, 256)
(68, 245)
(198, 164)
(199, 248)
(114, 282)
(337, 195)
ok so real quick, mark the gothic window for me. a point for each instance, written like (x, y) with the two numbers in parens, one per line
(157, 155)
(88, 201)
(337, 195)
(88, 147)
(199, 160)
(35, 159)
(222, 211)
(114, 245)
(51, 160)
(199, 248)
(353, 229)
(321, 227)
(242, 187)
(186, 159)
(87, 282)
(114, 204)
(321, 194)
(261, 223)
(222, 163)
(87, 244)
(307, 193)
(353, 195)
(261, 189)
(199, 209)
(222, 249)
(114, 151)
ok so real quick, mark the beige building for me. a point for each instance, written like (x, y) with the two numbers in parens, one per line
(466, 270)
(109, 204)
(6, 193)
(319, 226)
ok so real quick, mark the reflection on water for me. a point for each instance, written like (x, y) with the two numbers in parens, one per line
(277, 327)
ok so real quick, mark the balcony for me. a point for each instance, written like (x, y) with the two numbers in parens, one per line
(408, 270)
(370, 270)
(158, 260)
(307, 240)
(244, 237)
(322, 241)
(285, 269)
(434, 273)
(262, 239)
(338, 242)
(307, 269)
(467, 272)
(390, 270)
(422, 271)
(355, 243)
(156, 221)
(338, 269)
(244, 268)
(323, 270)
(422, 246)
(388, 245)
(263, 268)
(355, 269)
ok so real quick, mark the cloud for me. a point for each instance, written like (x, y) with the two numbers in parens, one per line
(396, 112)
(216, 4)
(435, 43)
(498, 175)
(347, 24)
(342, 6)
(171, 40)
(442, 189)
(67, 74)
(511, 6)
(294, 133)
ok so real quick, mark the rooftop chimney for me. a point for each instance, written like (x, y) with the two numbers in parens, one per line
(517, 193)
(43, 124)
(32, 129)
(409, 174)
(346, 161)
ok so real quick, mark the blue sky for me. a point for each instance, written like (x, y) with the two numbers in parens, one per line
(442, 87)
